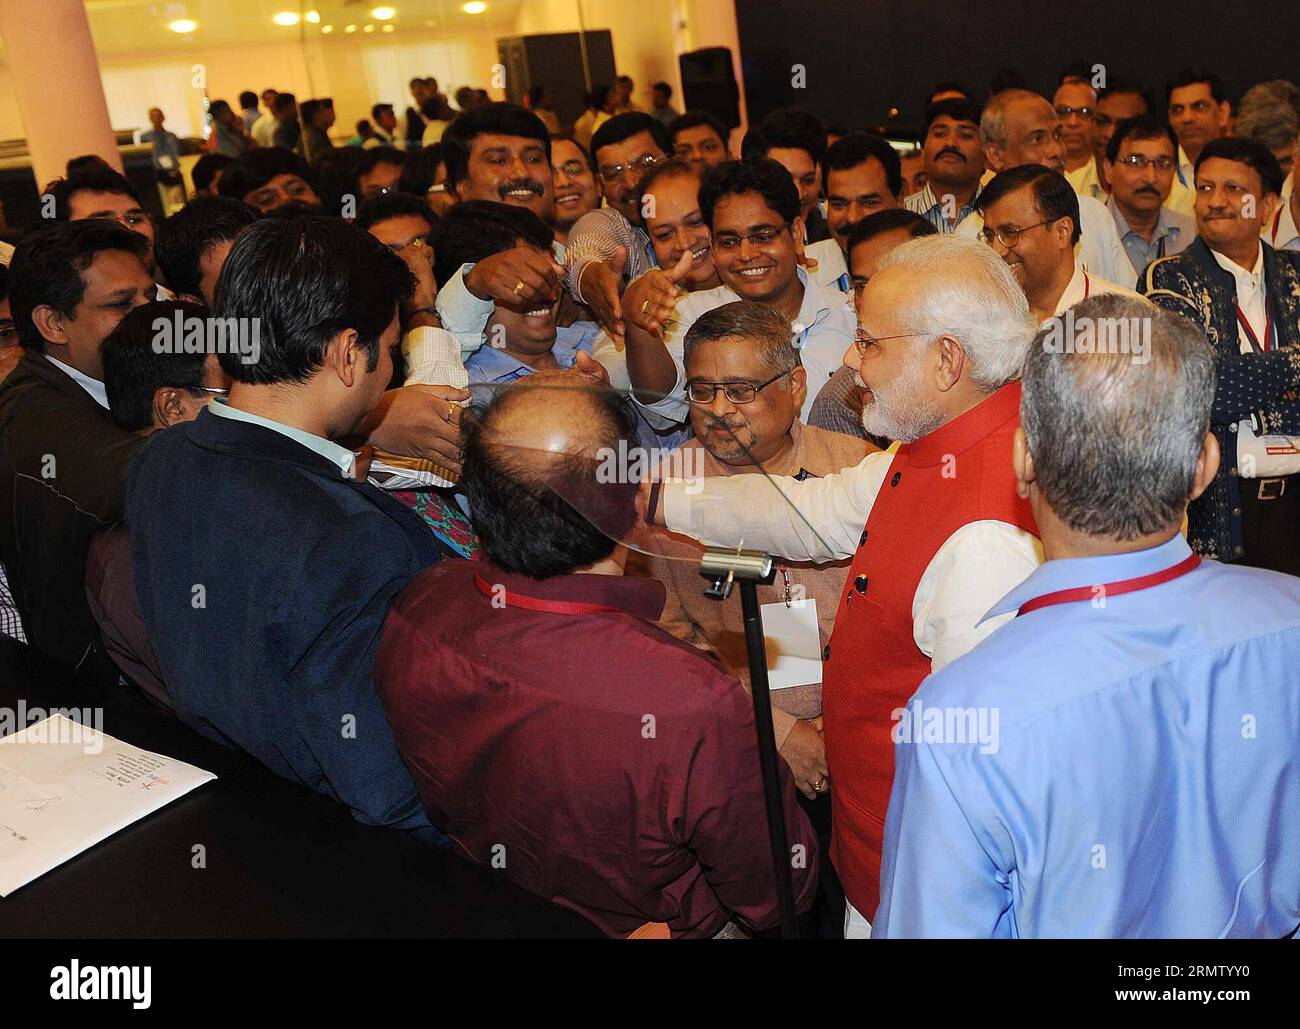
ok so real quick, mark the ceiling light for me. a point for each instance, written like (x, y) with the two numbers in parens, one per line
(312, 16)
(388, 28)
(183, 25)
(382, 13)
(286, 18)
(474, 7)
(326, 29)
(368, 28)
(349, 28)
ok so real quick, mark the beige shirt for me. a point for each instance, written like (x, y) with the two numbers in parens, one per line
(717, 625)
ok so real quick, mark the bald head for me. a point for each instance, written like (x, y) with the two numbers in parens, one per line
(548, 475)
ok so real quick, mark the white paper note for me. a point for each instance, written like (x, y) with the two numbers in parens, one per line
(65, 787)
(794, 647)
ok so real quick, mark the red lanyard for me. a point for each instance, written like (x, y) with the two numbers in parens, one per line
(1277, 220)
(1087, 285)
(1111, 589)
(556, 607)
(1268, 329)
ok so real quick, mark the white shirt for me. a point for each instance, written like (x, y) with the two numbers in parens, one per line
(1281, 232)
(1086, 181)
(1099, 246)
(1258, 457)
(1182, 197)
(823, 331)
(263, 129)
(821, 520)
(1083, 285)
(832, 271)
(92, 386)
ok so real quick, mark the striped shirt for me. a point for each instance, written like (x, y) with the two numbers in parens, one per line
(928, 206)
(11, 624)
(595, 236)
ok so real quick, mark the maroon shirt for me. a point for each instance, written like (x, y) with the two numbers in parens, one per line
(596, 760)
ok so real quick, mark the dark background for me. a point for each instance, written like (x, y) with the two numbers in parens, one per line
(865, 56)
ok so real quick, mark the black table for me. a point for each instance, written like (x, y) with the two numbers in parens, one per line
(281, 860)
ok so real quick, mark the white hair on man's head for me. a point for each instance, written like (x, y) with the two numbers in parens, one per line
(966, 291)
(993, 122)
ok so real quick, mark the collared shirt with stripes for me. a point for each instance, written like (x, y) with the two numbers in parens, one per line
(929, 207)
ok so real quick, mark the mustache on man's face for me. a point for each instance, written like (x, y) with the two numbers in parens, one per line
(514, 184)
(950, 150)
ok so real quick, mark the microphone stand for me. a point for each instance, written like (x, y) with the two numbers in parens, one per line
(723, 569)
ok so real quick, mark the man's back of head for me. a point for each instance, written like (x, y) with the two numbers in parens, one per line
(532, 475)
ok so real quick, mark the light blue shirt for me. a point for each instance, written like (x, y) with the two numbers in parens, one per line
(1129, 765)
(490, 366)
(1173, 234)
(341, 457)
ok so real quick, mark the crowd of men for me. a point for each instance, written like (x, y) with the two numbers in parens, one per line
(394, 468)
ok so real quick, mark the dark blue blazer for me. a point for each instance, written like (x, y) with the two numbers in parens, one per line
(264, 577)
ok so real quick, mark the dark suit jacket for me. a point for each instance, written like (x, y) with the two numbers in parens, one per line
(63, 468)
(1264, 385)
(264, 577)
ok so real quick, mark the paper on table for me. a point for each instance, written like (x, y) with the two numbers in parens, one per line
(65, 787)
(794, 646)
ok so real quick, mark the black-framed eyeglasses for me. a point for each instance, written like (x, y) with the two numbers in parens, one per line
(1010, 237)
(763, 237)
(1140, 161)
(615, 172)
(1083, 112)
(736, 392)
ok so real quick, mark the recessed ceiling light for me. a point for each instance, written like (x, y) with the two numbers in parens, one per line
(382, 13)
(474, 7)
(326, 29)
(183, 25)
(312, 16)
(286, 18)
(388, 28)
(368, 28)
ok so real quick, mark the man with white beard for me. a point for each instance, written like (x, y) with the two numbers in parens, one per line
(943, 329)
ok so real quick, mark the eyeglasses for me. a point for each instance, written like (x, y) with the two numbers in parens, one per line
(762, 237)
(1083, 112)
(1010, 237)
(1140, 161)
(615, 172)
(575, 168)
(737, 392)
(861, 341)
(213, 391)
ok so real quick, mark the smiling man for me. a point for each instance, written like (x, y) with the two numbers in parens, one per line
(501, 152)
(1019, 127)
(752, 209)
(1245, 296)
(575, 185)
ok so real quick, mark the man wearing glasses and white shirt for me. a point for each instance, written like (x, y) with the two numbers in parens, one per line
(936, 531)
(752, 210)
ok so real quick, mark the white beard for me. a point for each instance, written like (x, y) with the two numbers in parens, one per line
(901, 413)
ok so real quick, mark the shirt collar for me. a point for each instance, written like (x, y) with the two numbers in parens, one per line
(814, 307)
(92, 386)
(1283, 232)
(496, 364)
(341, 457)
(1249, 282)
(932, 202)
(1164, 225)
(641, 597)
(1074, 290)
(1076, 572)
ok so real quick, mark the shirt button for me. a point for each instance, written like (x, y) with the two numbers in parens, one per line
(1236, 512)
(860, 584)
(1232, 427)
(1238, 551)
(894, 480)
(1232, 473)
(826, 652)
(863, 541)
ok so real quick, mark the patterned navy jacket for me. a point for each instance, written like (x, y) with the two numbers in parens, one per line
(1265, 385)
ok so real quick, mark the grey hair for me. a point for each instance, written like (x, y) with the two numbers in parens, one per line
(767, 331)
(970, 294)
(1268, 115)
(993, 122)
(1115, 440)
